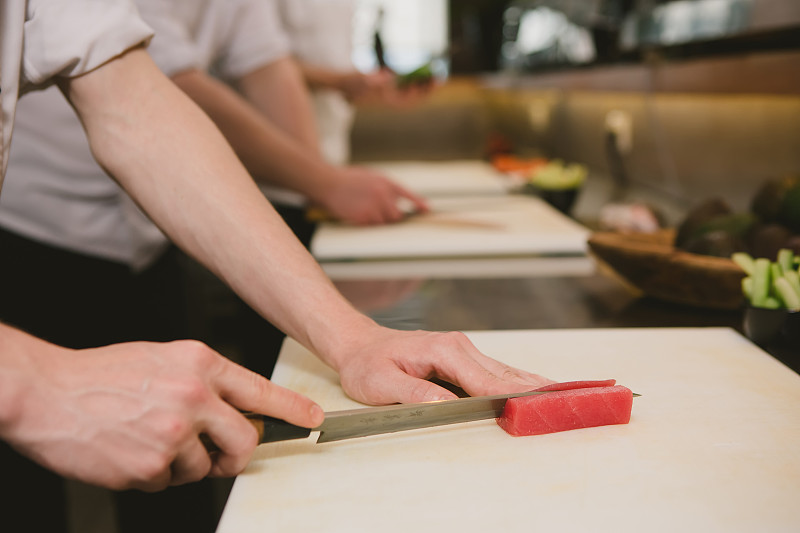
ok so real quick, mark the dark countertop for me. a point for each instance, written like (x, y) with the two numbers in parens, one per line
(585, 301)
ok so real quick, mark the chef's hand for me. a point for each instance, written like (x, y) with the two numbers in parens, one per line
(363, 196)
(394, 366)
(358, 86)
(130, 415)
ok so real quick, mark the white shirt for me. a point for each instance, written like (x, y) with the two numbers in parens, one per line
(42, 39)
(55, 191)
(321, 33)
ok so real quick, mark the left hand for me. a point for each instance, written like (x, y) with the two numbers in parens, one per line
(395, 366)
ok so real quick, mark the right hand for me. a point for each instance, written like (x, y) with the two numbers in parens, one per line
(130, 415)
(363, 196)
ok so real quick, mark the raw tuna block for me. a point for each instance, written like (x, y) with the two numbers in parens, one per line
(573, 405)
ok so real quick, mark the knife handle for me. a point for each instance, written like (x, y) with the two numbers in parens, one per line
(269, 430)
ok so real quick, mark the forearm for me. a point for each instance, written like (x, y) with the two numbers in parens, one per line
(16, 367)
(270, 154)
(318, 77)
(279, 92)
(192, 185)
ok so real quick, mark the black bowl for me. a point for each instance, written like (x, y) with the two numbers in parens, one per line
(766, 327)
(561, 199)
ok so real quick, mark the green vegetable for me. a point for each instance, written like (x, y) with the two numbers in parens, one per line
(775, 271)
(419, 76)
(771, 285)
(747, 287)
(744, 261)
(787, 294)
(761, 284)
(557, 176)
(794, 279)
(786, 259)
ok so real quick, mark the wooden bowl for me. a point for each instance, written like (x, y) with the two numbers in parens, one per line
(654, 266)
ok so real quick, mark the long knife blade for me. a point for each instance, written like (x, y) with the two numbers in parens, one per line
(351, 423)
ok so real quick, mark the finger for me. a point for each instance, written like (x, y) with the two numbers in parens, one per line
(420, 203)
(390, 211)
(191, 464)
(250, 391)
(153, 483)
(235, 438)
(480, 375)
(391, 384)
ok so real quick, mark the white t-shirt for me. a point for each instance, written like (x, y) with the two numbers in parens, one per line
(321, 33)
(43, 39)
(56, 193)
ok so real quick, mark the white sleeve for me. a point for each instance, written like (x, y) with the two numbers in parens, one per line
(255, 38)
(72, 37)
(174, 49)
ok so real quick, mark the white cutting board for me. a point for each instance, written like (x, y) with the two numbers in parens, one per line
(446, 178)
(515, 225)
(713, 446)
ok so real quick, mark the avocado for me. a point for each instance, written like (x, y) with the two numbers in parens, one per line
(766, 239)
(737, 225)
(770, 201)
(719, 243)
(793, 244)
(698, 216)
(789, 212)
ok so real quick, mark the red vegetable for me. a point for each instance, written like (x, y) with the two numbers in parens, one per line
(574, 405)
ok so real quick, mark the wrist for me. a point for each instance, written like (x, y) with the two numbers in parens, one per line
(335, 342)
(17, 366)
(330, 179)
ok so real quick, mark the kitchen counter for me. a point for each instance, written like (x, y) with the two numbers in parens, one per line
(584, 298)
(710, 447)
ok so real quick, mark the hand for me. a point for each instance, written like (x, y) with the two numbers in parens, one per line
(357, 86)
(393, 366)
(130, 415)
(362, 196)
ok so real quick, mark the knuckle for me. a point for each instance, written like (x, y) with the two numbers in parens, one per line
(454, 339)
(151, 471)
(175, 430)
(245, 444)
(198, 354)
(192, 391)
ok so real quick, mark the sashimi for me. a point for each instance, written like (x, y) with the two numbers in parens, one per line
(568, 385)
(572, 405)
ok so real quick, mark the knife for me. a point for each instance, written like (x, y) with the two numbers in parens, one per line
(351, 423)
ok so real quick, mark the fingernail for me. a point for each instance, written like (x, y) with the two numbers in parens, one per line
(441, 398)
(316, 412)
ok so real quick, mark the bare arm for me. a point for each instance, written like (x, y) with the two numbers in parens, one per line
(279, 92)
(175, 163)
(168, 155)
(272, 156)
(268, 152)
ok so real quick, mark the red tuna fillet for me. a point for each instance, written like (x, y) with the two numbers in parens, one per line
(573, 405)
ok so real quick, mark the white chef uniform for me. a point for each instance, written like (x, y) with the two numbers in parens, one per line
(55, 191)
(41, 39)
(321, 33)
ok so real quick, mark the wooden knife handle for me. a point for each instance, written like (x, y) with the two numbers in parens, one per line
(269, 430)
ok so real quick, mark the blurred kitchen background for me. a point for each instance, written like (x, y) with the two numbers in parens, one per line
(667, 101)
